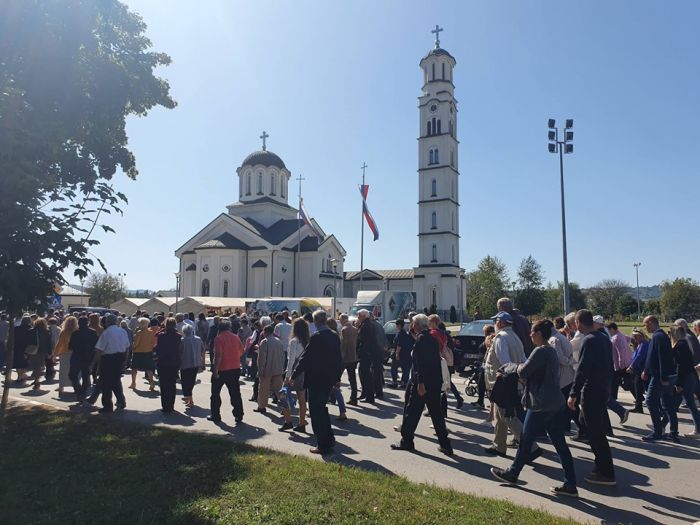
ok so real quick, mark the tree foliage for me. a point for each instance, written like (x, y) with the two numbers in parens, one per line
(105, 289)
(486, 285)
(680, 298)
(71, 71)
(604, 298)
(554, 299)
(529, 297)
(627, 306)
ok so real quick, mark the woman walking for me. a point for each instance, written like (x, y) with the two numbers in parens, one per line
(25, 337)
(62, 352)
(545, 410)
(37, 360)
(685, 372)
(191, 363)
(144, 341)
(168, 352)
(299, 340)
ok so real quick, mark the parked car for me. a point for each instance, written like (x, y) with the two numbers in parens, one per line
(390, 332)
(467, 342)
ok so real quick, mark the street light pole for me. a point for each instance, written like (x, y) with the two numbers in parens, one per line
(334, 262)
(561, 147)
(177, 290)
(639, 302)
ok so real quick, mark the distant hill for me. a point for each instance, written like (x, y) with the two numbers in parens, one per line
(646, 292)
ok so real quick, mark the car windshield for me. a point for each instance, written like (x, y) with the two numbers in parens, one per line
(474, 328)
(390, 327)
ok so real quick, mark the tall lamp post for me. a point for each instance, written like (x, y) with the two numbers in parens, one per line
(562, 146)
(334, 262)
(177, 289)
(639, 302)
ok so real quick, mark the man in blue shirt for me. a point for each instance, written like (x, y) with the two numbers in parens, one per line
(403, 344)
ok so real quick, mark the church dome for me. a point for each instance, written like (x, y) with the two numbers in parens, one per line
(438, 51)
(264, 157)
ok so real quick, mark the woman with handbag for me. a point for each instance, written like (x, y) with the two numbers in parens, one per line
(25, 343)
(299, 340)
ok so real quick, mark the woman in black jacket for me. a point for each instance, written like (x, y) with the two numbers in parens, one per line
(685, 371)
(24, 336)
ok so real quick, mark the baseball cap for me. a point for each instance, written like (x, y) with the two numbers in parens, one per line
(599, 319)
(503, 316)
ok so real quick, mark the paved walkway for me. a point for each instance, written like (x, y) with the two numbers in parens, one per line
(656, 482)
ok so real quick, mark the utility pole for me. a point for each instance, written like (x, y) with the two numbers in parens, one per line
(639, 302)
(362, 235)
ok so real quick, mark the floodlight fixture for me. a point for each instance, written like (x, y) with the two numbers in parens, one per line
(552, 148)
(569, 148)
(569, 123)
(552, 135)
(552, 123)
(569, 136)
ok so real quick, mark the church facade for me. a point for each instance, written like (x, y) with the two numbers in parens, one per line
(259, 247)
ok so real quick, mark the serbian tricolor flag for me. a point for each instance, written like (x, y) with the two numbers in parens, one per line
(304, 216)
(364, 189)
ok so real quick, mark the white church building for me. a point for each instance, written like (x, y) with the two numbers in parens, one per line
(260, 248)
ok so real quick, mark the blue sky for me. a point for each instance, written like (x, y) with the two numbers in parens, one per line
(335, 84)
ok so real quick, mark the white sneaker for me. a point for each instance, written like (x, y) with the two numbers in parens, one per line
(695, 434)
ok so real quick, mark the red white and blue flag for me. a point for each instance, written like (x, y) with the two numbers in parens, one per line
(304, 216)
(364, 190)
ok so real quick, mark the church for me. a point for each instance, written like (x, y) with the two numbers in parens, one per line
(260, 247)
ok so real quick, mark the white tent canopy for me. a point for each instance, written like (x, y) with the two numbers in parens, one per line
(159, 304)
(128, 305)
(203, 304)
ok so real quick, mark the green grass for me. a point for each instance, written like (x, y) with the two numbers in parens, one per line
(70, 468)
(627, 326)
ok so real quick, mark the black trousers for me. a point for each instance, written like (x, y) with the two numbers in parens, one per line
(378, 375)
(230, 379)
(167, 378)
(79, 376)
(571, 414)
(352, 379)
(594, 415)
(188, 377)
(640, 388)
(413, 410)
(111, 379)
(481, 385)
(366, 378)
(320, 421)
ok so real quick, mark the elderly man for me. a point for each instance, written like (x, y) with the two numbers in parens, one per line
(506, 348)
(521, 326)
(321, 363)
(348, 350)
(370, 355)
(424, 389)
(226, 370)
(111, 348)
(270, 367)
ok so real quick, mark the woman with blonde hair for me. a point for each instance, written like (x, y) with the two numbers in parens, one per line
(144, 341)
(63, 353)
(297, 344)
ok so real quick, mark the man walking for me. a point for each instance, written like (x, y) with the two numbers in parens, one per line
(226, 370)
(424, 389)
(270, 367)
(403, 344)
(111, 347)
(521, 326)
(82, 346)
(367, 351)
(321, 363)
(591, 389)
(348, 350)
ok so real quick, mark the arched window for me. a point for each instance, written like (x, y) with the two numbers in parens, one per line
(434, 259)
(434, 297)
(451, 129)
(225, 294)
(247, 183)
(430, 158)
(433, 221)
(453, 188)
(453, 225)
(260, 184)
(439, 127)
(273, 186)
(453, 254)
(443, 71)
(283, 187)
(428, 126)
(435, 157)
(452, 158)
(433, 188)
(205, 287)
(433, 71)
(434, 125)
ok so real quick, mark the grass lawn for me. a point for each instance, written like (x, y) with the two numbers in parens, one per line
(69, 468)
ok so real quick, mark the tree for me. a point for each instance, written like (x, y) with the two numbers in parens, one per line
(529, 298)
(72, 71)
(627, 306)
(651, 307)
(105, 289)
(486, 285)
(554, 299)
(604, 297)
(680, 298)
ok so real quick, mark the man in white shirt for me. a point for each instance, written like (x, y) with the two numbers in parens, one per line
(111, 348)
(283, 331)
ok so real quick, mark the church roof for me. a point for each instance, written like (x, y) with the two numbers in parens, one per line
(384, 274)
(225, 240)
(276, 233)
(266, 199)
(439, 51)
(264, 157)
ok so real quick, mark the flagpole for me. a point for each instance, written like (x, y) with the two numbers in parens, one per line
(362, 235)
(296, 263)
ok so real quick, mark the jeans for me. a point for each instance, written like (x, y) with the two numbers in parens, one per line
(320, 420)
(337, 395)
(661, 406)
(111, 380)
(688, 394)
(413, 410)
(230, 379)
(594, 417)
(536, 424)
(167, 378)
(352, 379)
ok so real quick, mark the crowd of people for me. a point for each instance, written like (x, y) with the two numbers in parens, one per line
(539, 378)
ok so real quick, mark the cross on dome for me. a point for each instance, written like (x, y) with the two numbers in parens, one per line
(436, 32)
(264, 136)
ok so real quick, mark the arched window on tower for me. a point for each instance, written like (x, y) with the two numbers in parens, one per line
(428, 126)
(443, 71)
(205, 287)
(273, 185)
(260, 184)
(225, 292)
(439, 127)
(431, 158)
(434, 254)
(283, 187)
(453, 254)
(433, 221)
(247, 183)
(434, 125)
(453, 188)
(451, 129)
(433, 188)
(453, 222)
(433, 296)
(452, 158)
(433, 72)
(436, 159)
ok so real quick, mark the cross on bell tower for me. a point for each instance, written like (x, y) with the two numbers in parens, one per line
(264, 136)
(436, 32)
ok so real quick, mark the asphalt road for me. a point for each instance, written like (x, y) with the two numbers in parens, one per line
(655, 481)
